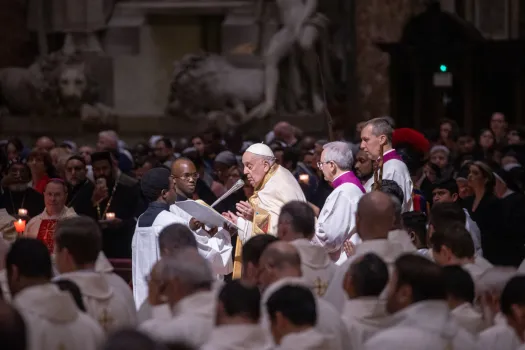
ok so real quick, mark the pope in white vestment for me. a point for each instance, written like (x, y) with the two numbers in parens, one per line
(274, 187)
(54, 321)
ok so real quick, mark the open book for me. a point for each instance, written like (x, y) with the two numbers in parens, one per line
(204, 213)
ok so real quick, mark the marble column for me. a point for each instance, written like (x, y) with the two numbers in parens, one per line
(378, 21)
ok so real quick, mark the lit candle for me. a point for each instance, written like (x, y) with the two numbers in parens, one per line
(110, 216)
(304, 178)
(20, 225)
(22, 212)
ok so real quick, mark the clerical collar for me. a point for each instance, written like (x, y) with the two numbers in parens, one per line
(160, 205)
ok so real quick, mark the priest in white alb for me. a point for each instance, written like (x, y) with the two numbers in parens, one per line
(376, 137)
(78, 242)
(337, 217)
(43, 226)
(52, 317)
(274, 186)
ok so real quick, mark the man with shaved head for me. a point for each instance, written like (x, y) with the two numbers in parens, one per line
(214, 244)
(280, 261)
(274, 187)
(375, 217)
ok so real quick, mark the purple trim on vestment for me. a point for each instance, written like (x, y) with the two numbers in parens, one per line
(391, 155)
(348, 177)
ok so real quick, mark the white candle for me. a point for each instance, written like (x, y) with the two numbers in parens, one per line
(110, 216)
(22, 212)
(304, 178)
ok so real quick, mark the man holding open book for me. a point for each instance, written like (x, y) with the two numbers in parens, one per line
(274, 187)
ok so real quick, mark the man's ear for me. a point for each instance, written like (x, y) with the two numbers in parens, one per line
(455, 197)
(413, 236)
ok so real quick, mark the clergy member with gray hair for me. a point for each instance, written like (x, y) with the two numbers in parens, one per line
(274, 186)
(337, 218)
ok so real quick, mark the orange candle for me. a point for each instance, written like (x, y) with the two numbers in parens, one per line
(20, 225)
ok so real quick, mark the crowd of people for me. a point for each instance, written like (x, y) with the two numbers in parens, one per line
(387, 238)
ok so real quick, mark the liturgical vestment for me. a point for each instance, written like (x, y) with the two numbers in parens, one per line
(104, 303)
(237, 337)
(423, 325)
(43, 226)
(395, 169)
(337, 218)
(54, 321)
(306, 340)
(277, 188)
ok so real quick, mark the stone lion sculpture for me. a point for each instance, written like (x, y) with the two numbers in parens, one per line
(57, 84)
(208, 87)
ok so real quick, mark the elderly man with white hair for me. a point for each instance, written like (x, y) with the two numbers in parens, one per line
(274, 187)
(337, 218)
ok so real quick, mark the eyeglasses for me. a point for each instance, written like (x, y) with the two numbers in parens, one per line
(320, 164)
(186, 177)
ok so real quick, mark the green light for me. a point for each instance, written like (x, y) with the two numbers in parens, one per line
(443, 68)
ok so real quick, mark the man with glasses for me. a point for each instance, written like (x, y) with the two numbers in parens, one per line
(214, 243)
(337, 218)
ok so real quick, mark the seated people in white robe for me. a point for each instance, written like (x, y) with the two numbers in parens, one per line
(447, 191)
(51, 315)
(417, 300)
(237, 319)
(156, 189)
(460, 298)
(297, 226)
(274, 186)
(452, 245)
(376, 141)
(78, 243)
(508, 334)
(251, 254)
(415, 224)
(375, 215)
(337, 217)
(292, 313)
(281, 261)
(43, 226)
(214, 243)
(184, 281)
(364, 313)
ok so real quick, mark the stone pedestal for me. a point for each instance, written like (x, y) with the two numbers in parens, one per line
(378, 21)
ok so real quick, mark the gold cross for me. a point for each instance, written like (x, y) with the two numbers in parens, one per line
(320, 287)
(105, 320)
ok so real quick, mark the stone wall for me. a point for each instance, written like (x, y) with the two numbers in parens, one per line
(378, 21)
(17, 48)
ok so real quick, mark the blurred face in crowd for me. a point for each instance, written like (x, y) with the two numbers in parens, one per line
(442, 195)
(440, 158)
(430, 174)
(475, 177)
(445, 131)
(162, 152)
(198, 143)
(103, 169)
(371, 143)
(466, 144)
(464, 189)
(85, 152)
(486, 139)
(399, 297)
(508, 159)
(498, 123)
(279, 154)
(75, 172)
(19, 175)
(308, 160)
(184, 176)
(55, 196)
(513, 138)
(363, 165)
(255, 168)
(37, 166)
(12, 152)
(105, 143)
(234, 175)
(45, 144)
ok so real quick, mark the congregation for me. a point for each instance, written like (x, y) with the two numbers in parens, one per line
(387, 238)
